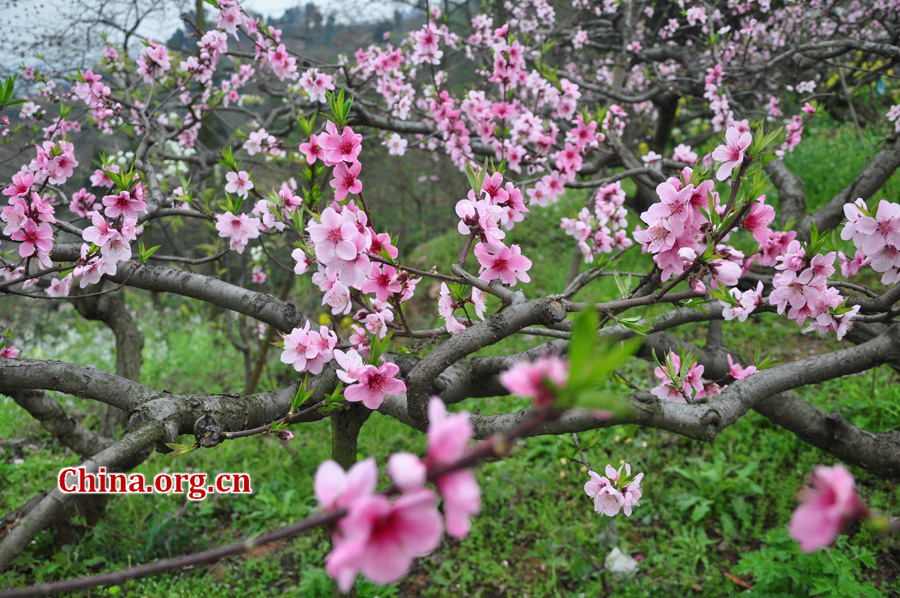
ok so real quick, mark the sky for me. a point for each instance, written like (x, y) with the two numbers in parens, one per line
(25, 20)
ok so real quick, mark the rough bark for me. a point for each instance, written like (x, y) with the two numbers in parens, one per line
(877, 453)
(111, 310)
(495, 328)
(791, 197)
(64, 427)
(703, 421)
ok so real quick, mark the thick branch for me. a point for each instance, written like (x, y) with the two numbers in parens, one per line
(877, 453)
(791, 196)
(110, 309)
(495, 328)
(261, 306)
(63, 426)
(702, 422)
(78, 380)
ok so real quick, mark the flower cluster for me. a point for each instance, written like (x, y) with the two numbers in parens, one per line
(309, 350)
(28, 217)
(681, 378)
(675, 229)
(745, 303)
(604, 229)
(614, 492)
(802, 285)
(877, 237)
(380, 537)
(678, 384)
(339, 149)
(482, 218)
(153, 61)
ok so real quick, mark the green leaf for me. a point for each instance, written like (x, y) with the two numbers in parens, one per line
(700, 511)
(301, 396)
(642, 329)
(146, 253)
(622, 285)
(604, 400)
(581, 348)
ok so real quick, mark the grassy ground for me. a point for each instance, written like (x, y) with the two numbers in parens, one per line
(712, 520)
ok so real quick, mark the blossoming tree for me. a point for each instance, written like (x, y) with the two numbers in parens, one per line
(555, 98)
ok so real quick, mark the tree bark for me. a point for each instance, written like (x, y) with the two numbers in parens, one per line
(111, 310)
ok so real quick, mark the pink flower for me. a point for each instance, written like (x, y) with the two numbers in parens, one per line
(758, 219)
(16, 214)
(508, 264)
(337, 295)
(125, 204)
(673, 386)
(614, 492)
(153, 61)
(351, 363)
(34, 238)
(396, 144)
(312, 150)
(481, 218)
(238, 182)
(309, 350)
(345, 180)
(826, 507)
(736, 371)
(538, 379)
(258, 276)
(684, 153)
(732, 153)
(10, 352)
(448, 435)
(59, 287)
(375, 382)
(407, 471)
(341, 147)
(335, 488)
(883, 229)
(100, 232)
(240, 229)
(382, 281)
(303, 261)
(22, 182)
(380, 539)
(446, 307)
(83, 203)
(850, 267)
(334, 237)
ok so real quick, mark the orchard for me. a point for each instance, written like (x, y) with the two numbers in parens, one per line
(499, 239)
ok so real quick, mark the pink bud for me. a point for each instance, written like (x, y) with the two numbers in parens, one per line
(697, 285)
